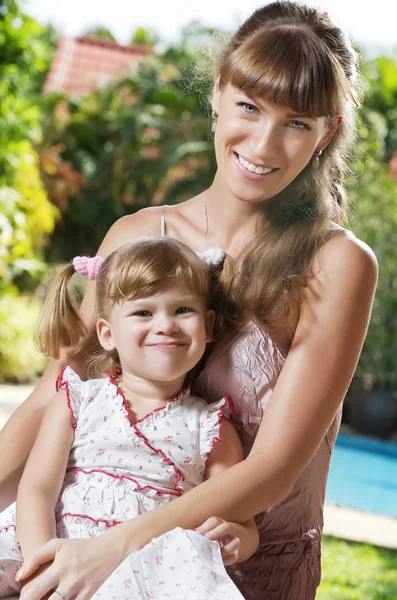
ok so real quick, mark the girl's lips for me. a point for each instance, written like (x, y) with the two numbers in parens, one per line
(251, 174)
(168, 345)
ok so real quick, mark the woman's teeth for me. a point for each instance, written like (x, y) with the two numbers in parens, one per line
(250, 167)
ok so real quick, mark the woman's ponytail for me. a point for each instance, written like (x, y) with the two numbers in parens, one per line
(59, 325)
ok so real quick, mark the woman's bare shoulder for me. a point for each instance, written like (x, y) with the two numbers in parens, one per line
(345, 271)
(346, 252)
(144, 223)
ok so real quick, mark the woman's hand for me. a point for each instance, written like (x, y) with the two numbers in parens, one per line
(217, 529)
(78, 569)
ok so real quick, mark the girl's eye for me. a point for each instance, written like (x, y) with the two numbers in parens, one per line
(183, 310)
(141, 313)
(248, 108)
(299, 125)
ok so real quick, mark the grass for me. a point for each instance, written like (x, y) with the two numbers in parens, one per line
(357, 572)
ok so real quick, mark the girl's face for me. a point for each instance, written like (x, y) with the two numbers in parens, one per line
(158, 338)
(261, 146)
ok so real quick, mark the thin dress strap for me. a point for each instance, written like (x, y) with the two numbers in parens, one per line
(163, 227)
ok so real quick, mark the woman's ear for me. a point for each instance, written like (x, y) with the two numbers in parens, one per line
(333, 126)
(209, 324)
(105, 335)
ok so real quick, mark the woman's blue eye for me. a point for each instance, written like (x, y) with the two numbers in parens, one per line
(299, 125)
(248, 108)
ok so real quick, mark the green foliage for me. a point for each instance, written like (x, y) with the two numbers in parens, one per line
(144, 37)
(381, 86)
(140, 141)
(27, 217)
(19, 360)
(102, 33)
(374, 220)
(357, 572)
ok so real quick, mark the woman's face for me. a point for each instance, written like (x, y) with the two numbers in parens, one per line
(262, 146)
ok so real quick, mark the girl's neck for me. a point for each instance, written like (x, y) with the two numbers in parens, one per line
(138, 390)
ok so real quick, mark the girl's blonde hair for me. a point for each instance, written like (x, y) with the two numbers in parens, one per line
(135, 270)
(295, 56)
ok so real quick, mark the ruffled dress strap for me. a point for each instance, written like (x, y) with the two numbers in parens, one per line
(211, 424)
(69, 381)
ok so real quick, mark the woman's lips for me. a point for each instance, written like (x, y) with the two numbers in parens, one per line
(251, 174)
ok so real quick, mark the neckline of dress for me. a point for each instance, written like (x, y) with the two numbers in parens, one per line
(178, 399)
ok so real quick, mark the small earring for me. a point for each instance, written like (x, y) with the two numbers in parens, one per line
(316, 160)
(214, 117)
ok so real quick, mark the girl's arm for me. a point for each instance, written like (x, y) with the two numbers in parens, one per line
(42, 478)
(333, 321)
(240, 543)
(20, 431)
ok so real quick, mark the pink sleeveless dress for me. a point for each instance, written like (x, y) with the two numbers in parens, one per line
(287, 563)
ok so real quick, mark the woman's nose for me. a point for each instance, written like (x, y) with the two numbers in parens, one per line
(266, 141)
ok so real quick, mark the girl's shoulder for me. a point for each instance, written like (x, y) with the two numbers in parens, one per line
(78, 389)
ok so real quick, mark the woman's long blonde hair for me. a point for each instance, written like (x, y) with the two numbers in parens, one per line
(294, 56)
(136, 270)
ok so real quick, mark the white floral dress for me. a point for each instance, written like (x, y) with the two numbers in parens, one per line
(117, 470)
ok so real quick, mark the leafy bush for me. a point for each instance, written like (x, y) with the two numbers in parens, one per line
(19, 360)
(374, 220)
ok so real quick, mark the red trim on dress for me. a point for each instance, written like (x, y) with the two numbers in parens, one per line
(221, 415)
(127, 407)
(96, 521)
(61, 384)
(7, 527)
(139, 487)
(166, 459)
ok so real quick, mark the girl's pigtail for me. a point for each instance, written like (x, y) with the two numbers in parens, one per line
(59, 325)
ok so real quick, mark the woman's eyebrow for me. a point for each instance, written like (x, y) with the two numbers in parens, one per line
(301, 115)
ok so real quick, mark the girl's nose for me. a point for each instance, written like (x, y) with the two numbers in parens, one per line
(165, 324)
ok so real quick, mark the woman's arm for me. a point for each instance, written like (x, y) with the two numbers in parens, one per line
(20, 431)
(333, 322)
(42, 478)
(239, 541)
(332, 325)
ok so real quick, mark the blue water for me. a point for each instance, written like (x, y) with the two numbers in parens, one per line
(363, 475)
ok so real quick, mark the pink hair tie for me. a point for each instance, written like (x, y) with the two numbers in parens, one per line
(87, 266)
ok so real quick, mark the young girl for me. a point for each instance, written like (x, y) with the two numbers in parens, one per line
(136, 440)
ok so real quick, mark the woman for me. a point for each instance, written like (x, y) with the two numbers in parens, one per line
(283, 107)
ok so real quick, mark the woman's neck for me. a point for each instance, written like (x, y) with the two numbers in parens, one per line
(231, 222)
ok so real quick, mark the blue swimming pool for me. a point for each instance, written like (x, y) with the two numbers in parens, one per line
(363, 475)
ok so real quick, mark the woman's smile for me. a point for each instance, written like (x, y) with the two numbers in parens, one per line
(252, 170)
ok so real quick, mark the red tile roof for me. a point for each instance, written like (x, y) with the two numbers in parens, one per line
(82, 65)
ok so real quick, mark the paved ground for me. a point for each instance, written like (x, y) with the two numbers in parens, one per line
(339, 522)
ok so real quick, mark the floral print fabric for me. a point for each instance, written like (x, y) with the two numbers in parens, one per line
(118, 469)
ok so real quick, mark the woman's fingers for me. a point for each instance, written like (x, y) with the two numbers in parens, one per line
(39, 587)
(42, 555)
